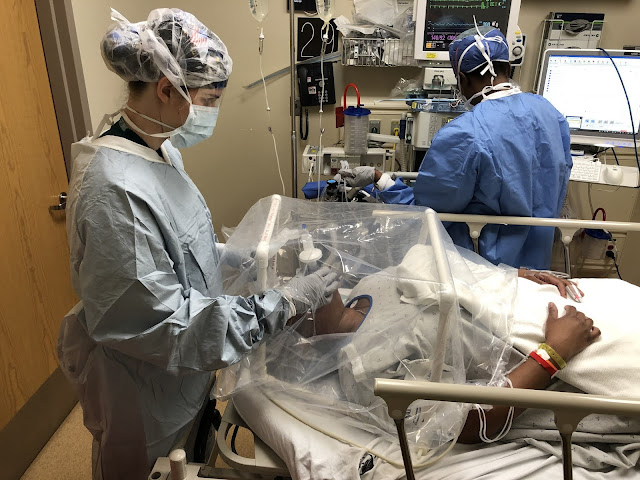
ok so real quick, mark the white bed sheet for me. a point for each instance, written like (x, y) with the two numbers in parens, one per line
(305, 450)
(311, 455)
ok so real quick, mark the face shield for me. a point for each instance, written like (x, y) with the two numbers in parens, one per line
(208, 96)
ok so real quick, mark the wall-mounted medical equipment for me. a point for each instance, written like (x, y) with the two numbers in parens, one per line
(356, 125)
(573, 30)
(439, 22)
(599, 95)
(310, 82)
(585, 87)
(439, 79)
(333, 158)
(429, 116)
(427, 124)
(570, 30)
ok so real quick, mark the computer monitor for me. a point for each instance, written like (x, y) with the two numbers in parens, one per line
(439, 22)
(584, 86)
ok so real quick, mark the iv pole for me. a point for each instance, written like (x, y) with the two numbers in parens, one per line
(294, 135)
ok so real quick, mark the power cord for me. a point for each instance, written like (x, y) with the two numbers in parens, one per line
(615, 155)
(633, 128)
(612, 256)
(233, 439)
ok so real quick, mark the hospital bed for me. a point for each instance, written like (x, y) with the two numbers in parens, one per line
(569, 409)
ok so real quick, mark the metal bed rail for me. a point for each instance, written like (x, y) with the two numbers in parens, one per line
(568, 227)
(569, 408)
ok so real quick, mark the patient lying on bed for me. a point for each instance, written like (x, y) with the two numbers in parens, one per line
(380, 302)
(541, 314)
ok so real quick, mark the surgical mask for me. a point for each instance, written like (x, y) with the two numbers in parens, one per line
(198, 127)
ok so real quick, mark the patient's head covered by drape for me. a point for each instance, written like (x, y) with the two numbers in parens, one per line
(411, 306)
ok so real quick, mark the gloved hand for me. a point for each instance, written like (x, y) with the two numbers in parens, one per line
(359, 176)
(312, 291)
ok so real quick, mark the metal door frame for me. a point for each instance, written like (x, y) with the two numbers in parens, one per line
(64, 66)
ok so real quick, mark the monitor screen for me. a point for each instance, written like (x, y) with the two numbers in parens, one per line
(586, 89)
(445, 19)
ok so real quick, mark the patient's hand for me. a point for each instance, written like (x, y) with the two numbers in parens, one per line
(335, 318)
(543, 278)
(570, 334)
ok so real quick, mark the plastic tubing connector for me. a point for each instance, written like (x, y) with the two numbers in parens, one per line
(309, 253)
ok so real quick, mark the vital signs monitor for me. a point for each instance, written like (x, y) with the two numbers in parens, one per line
(439, 22)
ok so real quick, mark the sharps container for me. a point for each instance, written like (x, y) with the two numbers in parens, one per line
(356, 126)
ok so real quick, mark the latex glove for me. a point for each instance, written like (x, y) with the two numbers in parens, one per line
(312, 291)
(359, 176)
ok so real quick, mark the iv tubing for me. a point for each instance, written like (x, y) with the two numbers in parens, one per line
(266, 98)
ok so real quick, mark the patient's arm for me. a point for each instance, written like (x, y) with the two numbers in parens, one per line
(567, 335)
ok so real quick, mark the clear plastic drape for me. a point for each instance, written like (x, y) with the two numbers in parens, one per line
(395, 316)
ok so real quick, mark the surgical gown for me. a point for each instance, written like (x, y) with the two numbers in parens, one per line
(152, 323)
(508, 156)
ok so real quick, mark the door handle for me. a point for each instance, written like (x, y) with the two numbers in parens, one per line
(62, 202)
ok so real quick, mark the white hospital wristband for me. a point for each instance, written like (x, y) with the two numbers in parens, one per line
(385, 182)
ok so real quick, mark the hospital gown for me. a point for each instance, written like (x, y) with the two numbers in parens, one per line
(508, 156)
(153, 323)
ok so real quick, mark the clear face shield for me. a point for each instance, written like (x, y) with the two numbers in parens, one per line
(209, 96)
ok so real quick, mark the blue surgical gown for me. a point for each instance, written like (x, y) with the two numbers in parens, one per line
(508, 156)
(152, 323)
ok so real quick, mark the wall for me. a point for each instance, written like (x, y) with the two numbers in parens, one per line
(237, 166)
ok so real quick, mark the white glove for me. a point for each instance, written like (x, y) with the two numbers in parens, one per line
(312, 291)
(359, 176)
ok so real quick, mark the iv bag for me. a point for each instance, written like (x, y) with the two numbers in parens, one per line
(259, 9)
(325, 10)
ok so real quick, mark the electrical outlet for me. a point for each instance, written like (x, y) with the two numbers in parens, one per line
(374, 126)
(395, 128)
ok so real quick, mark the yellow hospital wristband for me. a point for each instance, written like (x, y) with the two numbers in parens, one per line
(554, 355)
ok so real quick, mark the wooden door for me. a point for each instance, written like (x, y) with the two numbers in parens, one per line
(35, 288)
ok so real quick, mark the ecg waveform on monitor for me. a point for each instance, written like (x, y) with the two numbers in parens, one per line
(464, 25)
(468, 4)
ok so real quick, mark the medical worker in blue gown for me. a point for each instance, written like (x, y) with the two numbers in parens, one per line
(153, 323)
(510, 155)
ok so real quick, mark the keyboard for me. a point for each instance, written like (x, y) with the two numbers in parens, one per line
(585, 170)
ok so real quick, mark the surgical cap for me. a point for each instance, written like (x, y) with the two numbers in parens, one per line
(171, 43)
(465, 53)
